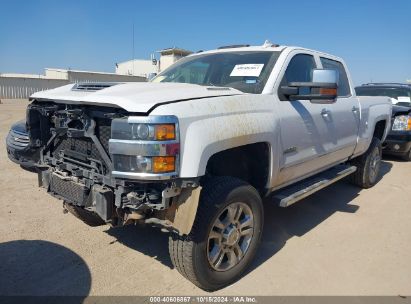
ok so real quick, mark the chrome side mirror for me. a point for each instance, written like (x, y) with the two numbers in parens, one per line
(322, 89)
(325, 76)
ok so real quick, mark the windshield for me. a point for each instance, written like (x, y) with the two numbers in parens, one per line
(401, 95)
(245, 71)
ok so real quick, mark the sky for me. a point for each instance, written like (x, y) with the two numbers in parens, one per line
(373, 37)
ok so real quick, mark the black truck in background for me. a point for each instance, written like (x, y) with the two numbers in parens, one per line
(398, 141)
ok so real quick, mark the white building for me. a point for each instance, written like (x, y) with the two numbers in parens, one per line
(137, 70)
(23, 85)
(143, 68)
(90, 76)
(171, 55)
(136, 67)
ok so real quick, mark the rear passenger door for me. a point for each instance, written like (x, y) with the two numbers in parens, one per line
(343, 116)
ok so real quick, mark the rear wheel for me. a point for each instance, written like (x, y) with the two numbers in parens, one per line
(224, 237)
(368, 166)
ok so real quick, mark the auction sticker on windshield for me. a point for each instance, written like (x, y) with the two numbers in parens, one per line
(247, 70)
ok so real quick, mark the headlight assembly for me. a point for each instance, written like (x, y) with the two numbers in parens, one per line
(141, 164)
(145, 147)
(402, 123)
(122, 129)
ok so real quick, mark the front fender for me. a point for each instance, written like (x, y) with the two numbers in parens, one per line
(211, 125)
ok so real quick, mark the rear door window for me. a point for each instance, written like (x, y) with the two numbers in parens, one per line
(343, 83)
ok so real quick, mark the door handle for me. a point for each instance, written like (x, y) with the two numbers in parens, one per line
(325, 112)
(354, 109)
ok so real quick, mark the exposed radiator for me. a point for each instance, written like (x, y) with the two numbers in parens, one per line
(73, 192)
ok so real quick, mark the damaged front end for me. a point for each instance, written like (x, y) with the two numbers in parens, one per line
(118, 167)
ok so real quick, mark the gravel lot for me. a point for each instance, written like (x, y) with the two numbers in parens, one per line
(340, 241)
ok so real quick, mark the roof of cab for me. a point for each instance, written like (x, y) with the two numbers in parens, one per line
(266, 47)
(244, 49)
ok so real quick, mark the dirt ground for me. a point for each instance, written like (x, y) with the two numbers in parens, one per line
(340, 241)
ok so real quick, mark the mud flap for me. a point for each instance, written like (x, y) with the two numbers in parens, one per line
(183, 211)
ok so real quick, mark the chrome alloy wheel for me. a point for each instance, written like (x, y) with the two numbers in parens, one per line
(230, 236)
(375, 163)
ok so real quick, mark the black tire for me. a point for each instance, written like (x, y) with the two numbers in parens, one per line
(367, 172)
(88, 217)
(407, 156)
(190, 255)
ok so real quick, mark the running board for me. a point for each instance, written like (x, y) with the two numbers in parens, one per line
(292, 194)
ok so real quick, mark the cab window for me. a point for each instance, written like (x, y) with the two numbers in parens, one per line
(300, 69)
(343, 83)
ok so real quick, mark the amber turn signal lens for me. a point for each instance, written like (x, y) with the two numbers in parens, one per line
(163, 164)
(165, 132)
(324, 91)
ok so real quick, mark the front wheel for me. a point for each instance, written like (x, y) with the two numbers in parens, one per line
(225, 235)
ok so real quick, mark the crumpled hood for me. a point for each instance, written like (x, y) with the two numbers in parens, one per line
(133, 96)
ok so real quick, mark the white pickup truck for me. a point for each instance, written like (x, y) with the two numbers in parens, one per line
(197, 149)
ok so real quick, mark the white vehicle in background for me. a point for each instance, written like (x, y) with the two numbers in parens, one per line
(195, 150)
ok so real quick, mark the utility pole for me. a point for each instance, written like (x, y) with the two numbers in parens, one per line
(133, 50)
